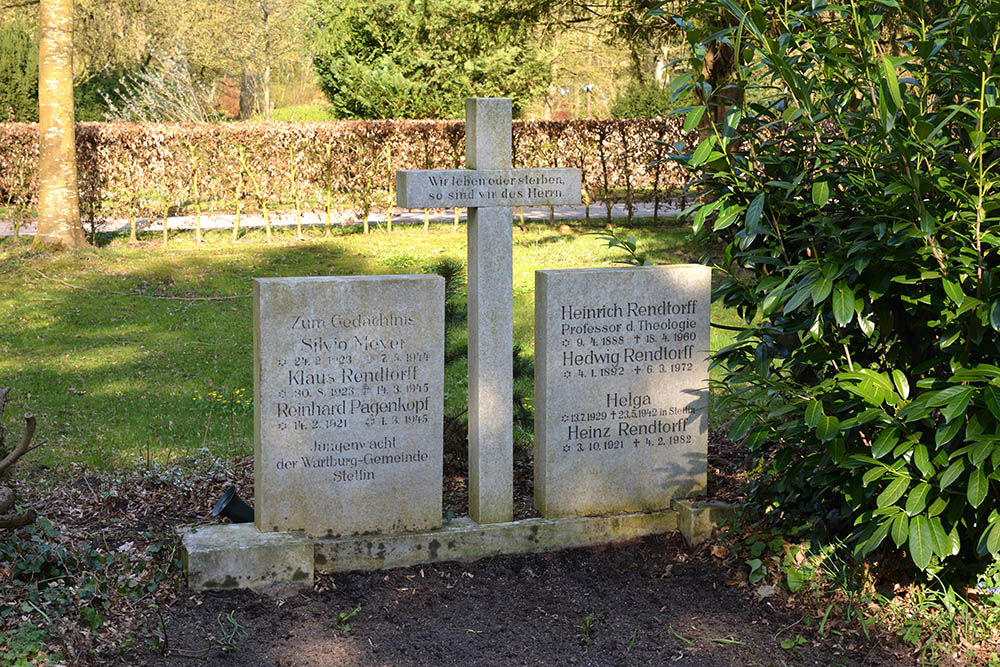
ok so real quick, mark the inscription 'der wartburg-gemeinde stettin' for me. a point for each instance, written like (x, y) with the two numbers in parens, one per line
(621, 392)
(349, 403)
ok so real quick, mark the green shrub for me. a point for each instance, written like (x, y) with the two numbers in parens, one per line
(857, 193)
(643, 101)
(18, 74)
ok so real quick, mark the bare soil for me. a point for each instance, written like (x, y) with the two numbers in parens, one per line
(649, 602)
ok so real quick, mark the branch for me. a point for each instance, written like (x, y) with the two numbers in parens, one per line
(17, 520)
(24, 447)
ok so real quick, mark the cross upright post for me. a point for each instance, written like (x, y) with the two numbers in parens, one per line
(491, 321)
(489, 187)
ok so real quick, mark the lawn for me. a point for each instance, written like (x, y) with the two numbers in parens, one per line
(111, 347)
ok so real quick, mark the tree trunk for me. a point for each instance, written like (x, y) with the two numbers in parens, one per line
(58, 193)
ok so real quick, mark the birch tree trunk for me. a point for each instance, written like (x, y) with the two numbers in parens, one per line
(58, 195)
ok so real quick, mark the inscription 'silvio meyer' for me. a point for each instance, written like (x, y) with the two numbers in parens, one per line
(349, 376)
(620, 388)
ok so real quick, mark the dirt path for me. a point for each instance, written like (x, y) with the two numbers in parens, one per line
(651, 602)
(399, 216)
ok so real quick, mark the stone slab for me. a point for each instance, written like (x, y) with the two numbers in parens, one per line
(464, 540)
(228, 556)
(697, 519)
(621, 397)
(482, 187)
(240, 556)
(348, 403)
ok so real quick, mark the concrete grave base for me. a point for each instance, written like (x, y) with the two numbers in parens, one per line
(239, 556)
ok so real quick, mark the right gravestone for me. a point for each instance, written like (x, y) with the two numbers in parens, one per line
(621, 388)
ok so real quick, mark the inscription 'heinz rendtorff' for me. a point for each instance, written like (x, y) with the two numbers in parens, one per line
(349, 414)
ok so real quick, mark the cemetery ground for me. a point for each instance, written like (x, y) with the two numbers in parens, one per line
(136, 360)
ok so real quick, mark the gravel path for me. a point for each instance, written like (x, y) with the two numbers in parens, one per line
(399, 216)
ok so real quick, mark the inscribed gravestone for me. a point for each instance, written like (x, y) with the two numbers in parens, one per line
(620, 388)
(348, 400)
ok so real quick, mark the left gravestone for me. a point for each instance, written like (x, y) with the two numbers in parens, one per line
(348, 401)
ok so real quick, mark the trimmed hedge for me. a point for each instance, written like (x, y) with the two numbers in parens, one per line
(148, 169)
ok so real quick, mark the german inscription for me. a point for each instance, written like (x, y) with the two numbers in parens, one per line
(620, 388)
(348, 403)
(484, 187)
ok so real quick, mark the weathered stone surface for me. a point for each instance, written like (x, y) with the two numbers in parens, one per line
(698, 519)
(348, 400)
(464, 539)
(464, 188)
(227, 556)
(621, 394)
(489, 187)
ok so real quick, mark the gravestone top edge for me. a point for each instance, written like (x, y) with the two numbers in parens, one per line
(353, 278)
(623, 269)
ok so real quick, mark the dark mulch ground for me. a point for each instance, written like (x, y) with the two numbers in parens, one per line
(651, 602)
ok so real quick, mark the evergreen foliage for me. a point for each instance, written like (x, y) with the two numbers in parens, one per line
(855, 185)
(18, 74)
(407, 59)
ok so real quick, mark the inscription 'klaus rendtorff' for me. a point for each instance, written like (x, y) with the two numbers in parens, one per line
(353, 375)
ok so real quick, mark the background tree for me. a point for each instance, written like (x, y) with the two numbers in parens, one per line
(18, 73)
(410, 59)
(249, 39)
(58, 194)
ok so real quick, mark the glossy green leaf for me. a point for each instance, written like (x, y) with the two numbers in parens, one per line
(741, 426)
(754, 211)
(814, 410)
(893, 492)
(946, 432)
(885, 441)
(992, 397)
(978, 486)
(873, 475)
(843, 303)
(953, 290)
(820, 192)
(942, 544)
(993, 541)
(703, 151)
(693, 117)
(939, 505)
(916, 501)
(902, 384)
(951, 473)
(922, 460)
(995, 314)
(827, 428)
(900, 529)
(921, 541)
(958, 403)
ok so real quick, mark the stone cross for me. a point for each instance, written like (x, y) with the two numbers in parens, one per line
(489, 187)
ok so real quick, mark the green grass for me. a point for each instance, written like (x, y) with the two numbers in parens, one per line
(110, 346)
(299, 112)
